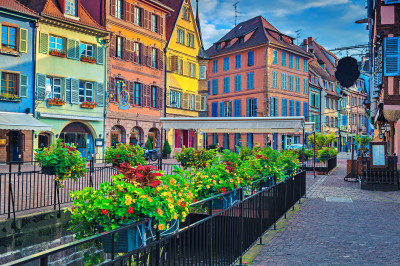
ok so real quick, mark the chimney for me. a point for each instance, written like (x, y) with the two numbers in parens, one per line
(304, 46)
(310, 40)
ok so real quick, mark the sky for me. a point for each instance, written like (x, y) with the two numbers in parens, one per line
(330, 22)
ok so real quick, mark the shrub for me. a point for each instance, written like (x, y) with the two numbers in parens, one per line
(189, 157)
(125, 153)
(166, 148)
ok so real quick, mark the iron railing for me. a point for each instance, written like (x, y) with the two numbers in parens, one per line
(379, 176)
(320, 165)
(220, 238)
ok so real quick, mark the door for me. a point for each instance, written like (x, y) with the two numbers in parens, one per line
(81, 144)
(43, 141)
(89, 146)
(15, 146)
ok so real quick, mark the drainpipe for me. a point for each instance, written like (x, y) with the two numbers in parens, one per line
(36, 25)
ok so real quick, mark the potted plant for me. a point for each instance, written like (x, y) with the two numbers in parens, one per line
(362, 142)
(59, 102)
(90, 105)
(59, 53)
(9, 97)
(61, 160)
(166, 150)
(88, 59)
(125, 153)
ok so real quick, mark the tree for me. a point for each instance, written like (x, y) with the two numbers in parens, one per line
(166, 148)
(149, 146)
(322, 140)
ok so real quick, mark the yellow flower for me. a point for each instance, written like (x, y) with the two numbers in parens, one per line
(165, 186)
(149, 199)
(161, 227)
(220, 181)
(128, 202)
(119, 187)
(175, 216)
(172, 182)
(179, 202)
(184, 214)
(170, 206)
(164, 194)
(159, 211)
(128, 197)
(180, 194)
(167, 226)
(231, 180)
(208, 186)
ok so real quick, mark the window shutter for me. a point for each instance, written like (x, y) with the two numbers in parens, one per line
(142, 18)
(168, 103)
(67, 95)
(146, 96)
(198, 103)
(75, 91)
(254, 107)
(40, 87)
(230, 109)
(284, 107)
(185, 100)
(100, 55)
(391, 63)
(388, 2)
(124, 53)
(160, 93)
(248, 107)
(128, 12)
(161, 25)
(112, 8)
(100, 94)
(113, 46)
(276, 107)
(306, 111)
(23, 86)
(23, 40)
(160, 63)
(132, 13)
(271, 107)
(44, 43)
(71, 48)
(221, 109)
(77, 50)
(146, 22)
(214, 109)
(111, 90)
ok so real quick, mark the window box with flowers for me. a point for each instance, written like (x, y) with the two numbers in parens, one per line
(88, 59)
(9, 97)
(58, 102)
(89, 105)
(59, 53)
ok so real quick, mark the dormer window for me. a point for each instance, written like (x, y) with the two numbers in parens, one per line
(218, 46)
(241, 39)
(280, 37)
(70, 7)
(228, 44)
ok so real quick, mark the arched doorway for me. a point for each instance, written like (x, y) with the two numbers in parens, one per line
(153, 137)
(117, 135)
(44, 140)
(80, 135)
(136, 137)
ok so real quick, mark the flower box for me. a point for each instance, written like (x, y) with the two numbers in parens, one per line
(127, 240)
(48, 170)
(226, 201)
(10, 97)
(89, 105)
(59, 53)
(88, 59)
(58, 102)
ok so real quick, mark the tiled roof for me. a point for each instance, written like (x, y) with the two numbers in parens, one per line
(176, 6)
(16, 6)
(202, 54)
(316, 67)
(263, 33)
(53, 9)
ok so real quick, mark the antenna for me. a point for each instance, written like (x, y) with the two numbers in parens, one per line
(298, 36)
(236, 12)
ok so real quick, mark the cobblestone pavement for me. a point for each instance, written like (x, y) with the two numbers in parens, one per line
(327, 231)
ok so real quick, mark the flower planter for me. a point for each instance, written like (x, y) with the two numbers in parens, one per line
(88, 106)
(59, 54)
(126, 241)
(48, 171)
(268, 182)
(88, 61)
(226, 201)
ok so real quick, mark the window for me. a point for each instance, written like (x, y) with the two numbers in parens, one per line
(9, 83)
(297, 63)
(202, 74)
(153, 102)
(214, 109)
(305, 65)
(118, 88)
(87, 50)
(70, 7)
(9, 37)
(192, 70)
(227, 44)
(284, 81)
(56, 43)
(238, 83)
(297, 84)
(118, 9)
(327, 103)
(241, 39)
(305, 86)
(215, 86)
(331, 86)
(238, 61)
(275, 57)
(283, 59)
(137, 16)
(209, 87)
(291, 82)
(190, 40)
(252, 107)
(191, 102)
(154, 22)
(238, 111)
(85, 91)
(218, 46)
(136, 52)
(154, 55)
(180, 66)
(137, 87)
(274, 108)
(290, 61)
(250, 58)
(175, 98)
(274, 79)
(119, 47)
(250, 80)
(226, 85)
(227, 109)
(186, 13)
(226, 63)
(215, 66)
(203, 103)
(181, 36)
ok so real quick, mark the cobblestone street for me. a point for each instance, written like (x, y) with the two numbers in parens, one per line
(339, 224)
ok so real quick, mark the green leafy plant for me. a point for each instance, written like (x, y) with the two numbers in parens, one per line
(189, 157)
(363, 141)
(166, 148)
(64, 160)
(148, 145)
(124, 153)
(326, 153)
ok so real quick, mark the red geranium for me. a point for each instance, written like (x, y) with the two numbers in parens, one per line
(183, 204)
(105, 212)
(130, 210)
(223, 190)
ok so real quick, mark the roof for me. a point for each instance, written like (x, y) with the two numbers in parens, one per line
(14, 5)
(202, 54)
(316, 67)
(263, 33)
(171, 19)
(52, 8)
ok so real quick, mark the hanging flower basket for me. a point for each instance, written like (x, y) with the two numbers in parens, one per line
(88, 59)
(59, 53)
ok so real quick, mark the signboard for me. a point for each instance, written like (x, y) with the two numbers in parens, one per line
(378, 152)
(99, 142)
(3, 141)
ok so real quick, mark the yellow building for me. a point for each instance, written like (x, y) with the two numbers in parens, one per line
(186, 72)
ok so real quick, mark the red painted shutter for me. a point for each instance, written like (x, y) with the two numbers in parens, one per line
(161, 26)
(131, 92)
(112, 8)
(124, 54)
(160, 54)
(112, 90)
(142, 18)
(132, 13)
(128, 12)
(113, 46)
(160, 96)
(141, 54)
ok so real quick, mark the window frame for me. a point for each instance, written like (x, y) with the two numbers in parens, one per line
(56, 38)
(118, 47)
(137, 16)
(86, 49)
(177, 96)
(119, 9)
(154, 56)
(16, 39)
(154, 93)
(192, 102)
(68, 4)
(85, 90)
(137, 92)
(7, 80)
(154, 23)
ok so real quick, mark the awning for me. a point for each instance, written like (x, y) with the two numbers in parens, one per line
(238, 124)
(21, 121)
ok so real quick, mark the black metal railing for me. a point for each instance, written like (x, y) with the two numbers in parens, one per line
(379, 176)
(220, 238)
(325, 165)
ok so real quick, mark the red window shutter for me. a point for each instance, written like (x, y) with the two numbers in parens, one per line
(128, 12)
(112, 90)
(132, 13)
(131, 92)
(160, 63)
(149, 49)
(112, 8)
(141, 54)
(160, 97)
(113, 46)
(161, 26)
(142, 17)
(146, 19)
(123, 52)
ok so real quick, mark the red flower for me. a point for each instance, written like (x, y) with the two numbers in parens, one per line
(223, 190)
(84, 175)
(118, 156)
(258, 156)
(113, 160)
(130, 210)
(105, 212)
(128, 156)
(155, 183)
(73, 207)
(183, 204)
(195, 200)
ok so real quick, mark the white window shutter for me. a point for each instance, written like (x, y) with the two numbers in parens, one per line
(67, 90)
(23, 86)
(100, 94)
(75, 91)
(100, 55)
(40, 87)
(44, 43)
(23, 40)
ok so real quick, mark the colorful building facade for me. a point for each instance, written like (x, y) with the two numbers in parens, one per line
(70, 75)
(186, 72)
(255, 70)
(17, 75)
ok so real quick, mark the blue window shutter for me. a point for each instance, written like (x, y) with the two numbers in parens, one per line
(250, 58)
(208, 87)
(275, 57)
(391, 64)
(230, 109)
(237, 108)
(248, 107)
(271, 107)
(214, 108)
(254, 107)
(284, 107)
(290, 61)
(276, 107)
(305, 111)
(221, 109)
(291, 108)
(283, 59)
(298, 112)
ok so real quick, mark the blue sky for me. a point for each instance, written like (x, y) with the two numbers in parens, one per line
(330, 22)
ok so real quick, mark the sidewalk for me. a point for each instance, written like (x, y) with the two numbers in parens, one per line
(339, 224)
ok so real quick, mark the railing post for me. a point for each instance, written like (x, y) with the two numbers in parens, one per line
(91, 170)
(285, 197)
(275, 218)
(241, 225)
(261, 214)
(44, 261)
(55, 195)
(158, 247)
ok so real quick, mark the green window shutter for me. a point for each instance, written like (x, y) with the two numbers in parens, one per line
(40, 87)
(100, 55)
(75, 91)
(23, 86)
(67, 96)
(100, 94)
(44, 43)
(70, 49)
(77, 50)
(23, 40)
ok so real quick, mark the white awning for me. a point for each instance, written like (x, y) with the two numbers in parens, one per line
(21, 121)
(238, 124)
